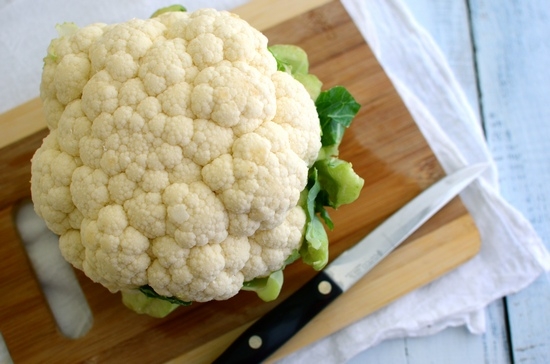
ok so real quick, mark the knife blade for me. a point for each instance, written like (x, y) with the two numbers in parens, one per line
(272, 330)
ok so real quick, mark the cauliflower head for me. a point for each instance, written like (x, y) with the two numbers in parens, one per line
(176, 155)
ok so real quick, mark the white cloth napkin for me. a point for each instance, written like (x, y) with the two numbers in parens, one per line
(512, 255)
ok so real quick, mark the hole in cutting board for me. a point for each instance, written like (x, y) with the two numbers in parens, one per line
(57, 279)
(5, 356)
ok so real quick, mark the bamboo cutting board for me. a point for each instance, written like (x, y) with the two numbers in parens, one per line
(387, 150)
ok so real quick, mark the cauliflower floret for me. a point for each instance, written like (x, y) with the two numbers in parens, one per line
(176, 155)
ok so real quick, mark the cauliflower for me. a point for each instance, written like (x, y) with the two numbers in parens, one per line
(178, 154)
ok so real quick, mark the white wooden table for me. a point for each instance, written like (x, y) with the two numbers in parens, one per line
(500, 53)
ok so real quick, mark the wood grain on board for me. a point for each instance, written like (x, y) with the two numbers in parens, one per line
(386, 149)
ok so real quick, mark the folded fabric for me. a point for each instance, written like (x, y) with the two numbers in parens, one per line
(511, 256)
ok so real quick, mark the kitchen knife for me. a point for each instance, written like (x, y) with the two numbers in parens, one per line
(272, 330)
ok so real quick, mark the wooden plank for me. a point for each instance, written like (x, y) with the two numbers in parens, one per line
(453, 346)
(18, 124)
(513, 49)
(268, 13)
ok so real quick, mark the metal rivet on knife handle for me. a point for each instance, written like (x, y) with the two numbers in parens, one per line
(255, 342)
(324, 287)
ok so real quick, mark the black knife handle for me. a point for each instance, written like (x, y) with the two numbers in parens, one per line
(272, 330)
